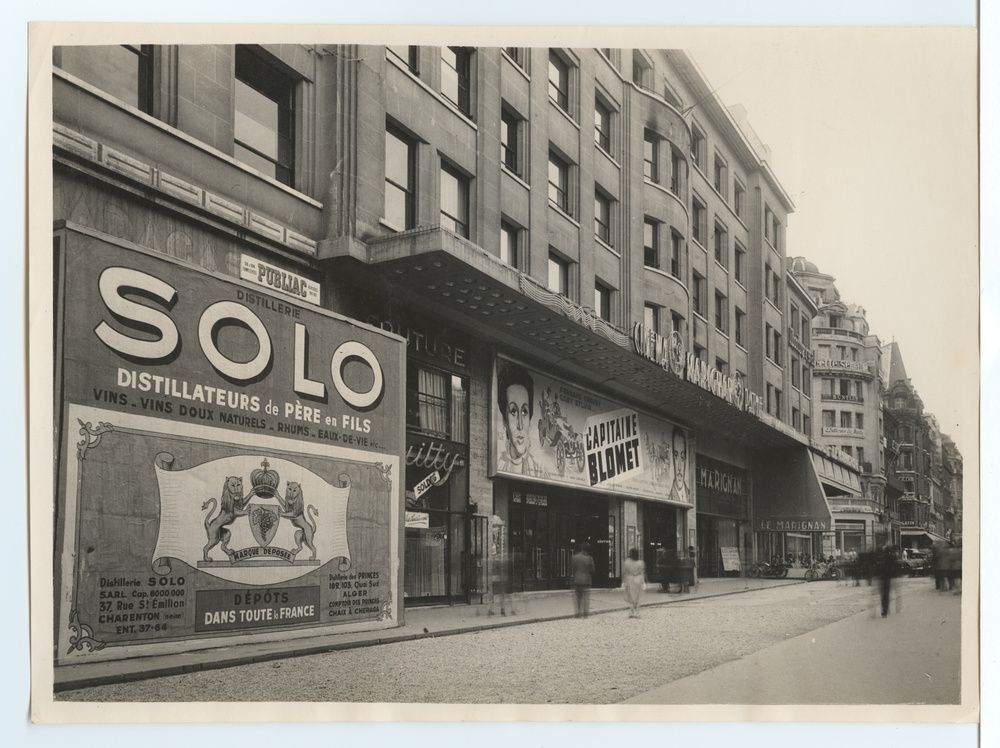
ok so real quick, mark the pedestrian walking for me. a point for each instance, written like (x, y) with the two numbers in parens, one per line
(886, 570)
(634, 582)
(583, 575)
(939, 564)
(953, 561)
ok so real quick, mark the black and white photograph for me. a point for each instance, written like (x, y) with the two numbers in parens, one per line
(385, 369)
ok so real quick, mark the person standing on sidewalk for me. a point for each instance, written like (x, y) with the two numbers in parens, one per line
(634, 581)
(583, 575)
(886, 569)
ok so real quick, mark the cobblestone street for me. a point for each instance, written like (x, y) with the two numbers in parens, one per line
(604, 659)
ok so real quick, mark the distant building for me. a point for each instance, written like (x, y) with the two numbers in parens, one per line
(847, 406)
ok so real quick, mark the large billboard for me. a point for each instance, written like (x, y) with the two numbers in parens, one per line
(545, 429)
(229, 460)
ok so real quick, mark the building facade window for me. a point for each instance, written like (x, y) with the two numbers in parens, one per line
(722, 365)
(720, 240)
(699, 148)
(794, 364)
(406, 55)
(124, 71)
(676, 254)
(437, 403)
(676, 323)
(558, 275)
(264, 121)
(721, 313)
(559, 74)
(559, 182)
(650, 243)
(517, 55)
(651, 317)
(806, 380)
(740, 323)
(846, 419)
(720, 176)
(602, 124)
(676, 171)
(829, 418)
(511, 127)
(768, 341)
(698, 299)
(806, 425)
(859, 420)
(602, 301)
(454, 200)
(796, 420)
(651, 156)
(400, 180)
(739, 198)
(456, 77)
(510, 244)
(739, 263)
(602, 218)
(642, 71)
(699, 220)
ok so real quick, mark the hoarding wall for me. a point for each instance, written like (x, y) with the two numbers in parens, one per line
(228, 460)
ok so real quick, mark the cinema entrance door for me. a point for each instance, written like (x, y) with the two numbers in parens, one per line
(546, 525)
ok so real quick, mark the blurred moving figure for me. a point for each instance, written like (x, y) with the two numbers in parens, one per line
(953, 564)
(583, 574)
(939, 564)
(634, 581)
(885, 569)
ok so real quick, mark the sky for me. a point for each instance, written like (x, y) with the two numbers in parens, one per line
(873, 135)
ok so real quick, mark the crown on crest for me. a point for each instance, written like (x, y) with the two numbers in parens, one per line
(264, 480)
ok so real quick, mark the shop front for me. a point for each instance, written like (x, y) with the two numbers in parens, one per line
(442, 558)
(792, 519)
(571, 467)
(724, 542)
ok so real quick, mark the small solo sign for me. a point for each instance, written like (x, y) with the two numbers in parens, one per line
(229, 460)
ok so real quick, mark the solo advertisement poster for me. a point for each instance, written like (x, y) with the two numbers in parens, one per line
(229, 460)
(545, 429)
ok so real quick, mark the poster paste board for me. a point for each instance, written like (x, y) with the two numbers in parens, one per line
(548, 430)
(229, 460)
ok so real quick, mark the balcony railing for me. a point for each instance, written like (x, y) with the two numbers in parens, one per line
(841, 331)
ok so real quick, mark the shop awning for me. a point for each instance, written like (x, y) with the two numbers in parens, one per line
(437, 273)
(788, 495)
(837, 479)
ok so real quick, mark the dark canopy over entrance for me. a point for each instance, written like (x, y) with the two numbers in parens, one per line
(787, 494)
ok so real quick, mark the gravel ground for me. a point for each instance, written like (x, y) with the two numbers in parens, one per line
(603, 659)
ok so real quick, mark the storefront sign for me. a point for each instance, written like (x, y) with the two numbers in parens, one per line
(792, 525)
(431, 480)
(229, 460)
(547, 430)
(861, 367)
(730, 558)
(723, 489)
(531, 499)
(425, 342)
(668, 353)
(419, 520)
(842, 431)
(271, 276)
(435, 456)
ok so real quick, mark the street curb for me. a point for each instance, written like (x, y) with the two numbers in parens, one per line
(70, 683)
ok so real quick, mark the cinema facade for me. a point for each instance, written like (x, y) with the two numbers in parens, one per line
(336, 336)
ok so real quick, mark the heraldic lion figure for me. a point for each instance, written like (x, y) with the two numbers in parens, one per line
(301, 517)
(230, 505)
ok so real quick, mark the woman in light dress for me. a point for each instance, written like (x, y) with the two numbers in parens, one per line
(634, 580)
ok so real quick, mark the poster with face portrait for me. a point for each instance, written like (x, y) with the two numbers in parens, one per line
(547, 430)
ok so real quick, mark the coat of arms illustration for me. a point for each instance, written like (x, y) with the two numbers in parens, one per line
(266, 534)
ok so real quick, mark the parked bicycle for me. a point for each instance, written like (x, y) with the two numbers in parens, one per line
(773, 569)
(823, 570)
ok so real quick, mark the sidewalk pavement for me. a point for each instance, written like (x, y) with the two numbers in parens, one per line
(419, 623)
(910, 657)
